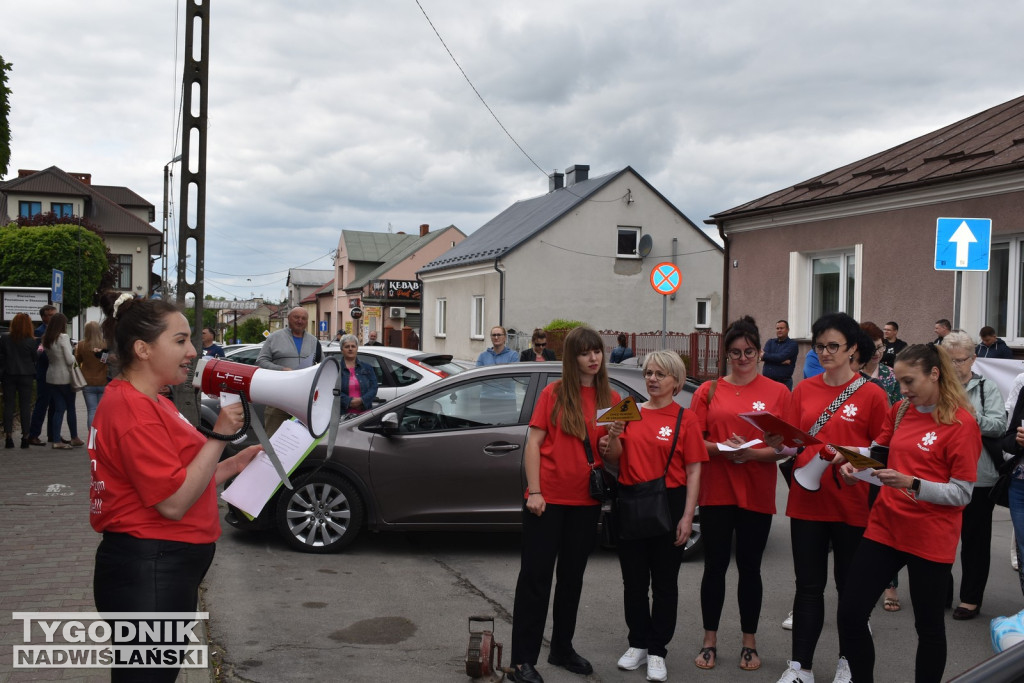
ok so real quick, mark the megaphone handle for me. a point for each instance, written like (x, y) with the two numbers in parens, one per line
(237, 435)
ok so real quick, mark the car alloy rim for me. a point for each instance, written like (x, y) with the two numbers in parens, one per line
(318, 514)
(694, 537)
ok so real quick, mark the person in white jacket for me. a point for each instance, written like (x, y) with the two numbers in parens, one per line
(58, 375)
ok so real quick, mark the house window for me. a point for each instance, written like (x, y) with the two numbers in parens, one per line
(1004, 290)
(123, 263)
(29, 209)
(61, 210)
(441, 319)
(703, 313)
(626, 244)
(833, 284)
(476, 318)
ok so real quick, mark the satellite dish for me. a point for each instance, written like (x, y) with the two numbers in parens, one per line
(644, 248)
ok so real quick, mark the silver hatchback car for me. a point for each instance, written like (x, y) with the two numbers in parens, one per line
(435, 458)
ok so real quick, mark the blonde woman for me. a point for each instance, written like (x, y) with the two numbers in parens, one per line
(91, 354)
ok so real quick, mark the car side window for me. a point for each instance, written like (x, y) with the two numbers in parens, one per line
(403, 376)
(247, 356)
(374, 362)
(492, 402)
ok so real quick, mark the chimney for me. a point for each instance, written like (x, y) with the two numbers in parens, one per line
(84, 178)
(555, 181)
(576, 174)
(424, 229)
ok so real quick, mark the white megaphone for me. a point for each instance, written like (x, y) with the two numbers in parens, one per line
(809, 476)
(307, 394)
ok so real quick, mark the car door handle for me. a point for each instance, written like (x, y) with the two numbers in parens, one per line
(500, 448)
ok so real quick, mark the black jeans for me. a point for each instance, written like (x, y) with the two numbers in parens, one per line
(810, 542)
(873, 565)
(20, 386)
(976, 545)
(43, 407)
(148, 575)
(652, 565)
(718, 524)
(568, 534)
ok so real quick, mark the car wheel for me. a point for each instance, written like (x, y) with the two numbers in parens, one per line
(323, 514)
(695, 543)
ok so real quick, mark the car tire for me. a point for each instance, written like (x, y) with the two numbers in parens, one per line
(695, 543)
(322, 514)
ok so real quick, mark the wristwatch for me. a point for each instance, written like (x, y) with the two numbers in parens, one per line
(915, 486)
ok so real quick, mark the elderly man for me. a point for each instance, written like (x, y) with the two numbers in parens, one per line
(292, 348)
(373, 340)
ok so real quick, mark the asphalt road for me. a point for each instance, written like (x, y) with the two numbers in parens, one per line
(395, 607)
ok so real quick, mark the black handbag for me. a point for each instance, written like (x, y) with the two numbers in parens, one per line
(642, 509)
(602, 483)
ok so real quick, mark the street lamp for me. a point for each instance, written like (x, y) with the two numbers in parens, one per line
(163, 251)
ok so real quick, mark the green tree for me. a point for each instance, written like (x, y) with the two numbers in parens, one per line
(209, 317)
(5, 112)
(250, 331)
(28, 256)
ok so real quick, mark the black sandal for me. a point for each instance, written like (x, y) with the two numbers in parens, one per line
(747, 655)
(710, 657)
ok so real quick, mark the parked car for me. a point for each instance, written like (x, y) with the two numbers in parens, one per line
(432, 459)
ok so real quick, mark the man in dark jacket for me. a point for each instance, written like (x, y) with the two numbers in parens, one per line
(893, 344)
(779, 355)
(992, 346)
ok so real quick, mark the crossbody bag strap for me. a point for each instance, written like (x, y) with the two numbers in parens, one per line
(675, 439)
(834, 406)
(588, 451)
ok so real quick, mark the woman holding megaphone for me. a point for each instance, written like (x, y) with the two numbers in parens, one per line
(154, 476)
(840, 407)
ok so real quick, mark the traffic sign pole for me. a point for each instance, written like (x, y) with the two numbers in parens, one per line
(665, 279)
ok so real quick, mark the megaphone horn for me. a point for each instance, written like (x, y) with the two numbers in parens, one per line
(809, 476)
(307, 394)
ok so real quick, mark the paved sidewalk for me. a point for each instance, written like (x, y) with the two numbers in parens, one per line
(48, 548)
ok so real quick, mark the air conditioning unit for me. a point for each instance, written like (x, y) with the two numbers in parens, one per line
(397, 312)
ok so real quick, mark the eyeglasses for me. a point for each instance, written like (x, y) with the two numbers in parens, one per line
(749, 352)
(540, 343)
(657, 374)
(960, 361)
(832, 347)
(880, 348)
(497, 334)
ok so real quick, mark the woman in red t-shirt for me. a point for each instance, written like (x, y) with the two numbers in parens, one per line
(833, 515)
(154, 476)
(737, 488)
(915, 521)
(650, 566)
(559, 516)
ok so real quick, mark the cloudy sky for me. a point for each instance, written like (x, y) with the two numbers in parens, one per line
(335, 114)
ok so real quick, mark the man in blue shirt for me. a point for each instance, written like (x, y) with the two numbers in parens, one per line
(210, 347)
(779, 355)
(498, 353)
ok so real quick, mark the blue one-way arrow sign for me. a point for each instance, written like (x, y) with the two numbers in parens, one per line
(963, 243)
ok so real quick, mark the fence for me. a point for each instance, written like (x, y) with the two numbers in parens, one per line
(701, 351)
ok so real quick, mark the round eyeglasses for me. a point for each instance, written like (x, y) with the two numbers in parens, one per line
(749, 352)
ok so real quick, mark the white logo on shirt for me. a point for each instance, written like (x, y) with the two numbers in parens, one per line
(759, 405)
(927, 440)
(665, 432)
(849, 412)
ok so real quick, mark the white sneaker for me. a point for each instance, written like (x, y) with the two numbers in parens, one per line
(787, 623)
(656, 670)
(794, 674)
(635, 657)
(843, 674)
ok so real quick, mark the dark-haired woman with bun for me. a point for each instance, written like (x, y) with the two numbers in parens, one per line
(154, 476)
(915, 521)
(737, 488)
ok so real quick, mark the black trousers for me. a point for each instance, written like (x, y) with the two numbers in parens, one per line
(719, 524)
(873, 566)
(565, 534)
(148, 575)
(976, 545)
(811, 542)
(20, 386)
(650, 583)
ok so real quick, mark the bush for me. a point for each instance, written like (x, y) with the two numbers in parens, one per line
(562, 324)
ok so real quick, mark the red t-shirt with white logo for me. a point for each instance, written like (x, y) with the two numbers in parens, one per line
(856, 423)
(564, 470)
(749, 485)
(645, 446)
(927, 450)
(139, 449)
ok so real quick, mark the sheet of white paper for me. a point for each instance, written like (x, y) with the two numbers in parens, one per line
(869, 476)
(251, 489)
(727, 447)
(602, 411)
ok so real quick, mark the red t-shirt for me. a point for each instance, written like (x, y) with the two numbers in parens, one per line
(927, 450)
(564, 470)
(857, 423)
(645, 446)
(749, 485)
(139, 449)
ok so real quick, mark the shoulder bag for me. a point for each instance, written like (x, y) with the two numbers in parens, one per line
(77, 378)
(642, 509)
(602, 483)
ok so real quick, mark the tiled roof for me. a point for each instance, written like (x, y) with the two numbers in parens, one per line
(374, 246)
(308, 276)
(988, 142)
(101, 209)
(399, 254)
(122, 195)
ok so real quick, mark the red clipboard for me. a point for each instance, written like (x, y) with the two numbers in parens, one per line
(772, 424)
